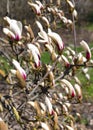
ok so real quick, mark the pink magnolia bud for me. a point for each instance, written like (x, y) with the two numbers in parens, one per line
(20, 69)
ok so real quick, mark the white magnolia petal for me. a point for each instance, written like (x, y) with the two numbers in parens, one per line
(70, 4)
(87, 76)
(42, 41)
(35, 7)
(64, 19)
(49, 105)
(39, 4)
(84, 70)
(19, 24)
(7, 19)
(69, 127)
(36, 59)
(15, 29)
(46, 21)
(68, 104)
(65, 109)
(77, 80)
(35, 52)
(71, 51)
(1, 119)
(43, 106)
(9, 33)
(39, 25)
(13, 71)
(31, 103)
(78, 91)
(42, 34)
(45, 126)
(74, 13)
(49, 47)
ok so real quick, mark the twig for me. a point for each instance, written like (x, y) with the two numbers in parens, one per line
(74, 30)
(66, 72)
(7, 7)
(36, 86)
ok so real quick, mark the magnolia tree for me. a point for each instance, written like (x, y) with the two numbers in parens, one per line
(39, 95)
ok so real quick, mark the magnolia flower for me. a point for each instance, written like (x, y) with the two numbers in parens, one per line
(86, 48)
(14, 30)
(36, 7)
(19, 68)
(3, 126)
(69, 86)
(35, 53)
(57, 39)
(49, 105)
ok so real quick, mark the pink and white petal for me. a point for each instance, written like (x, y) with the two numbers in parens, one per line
(15, 29)
(19, 68)
(36, 59)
